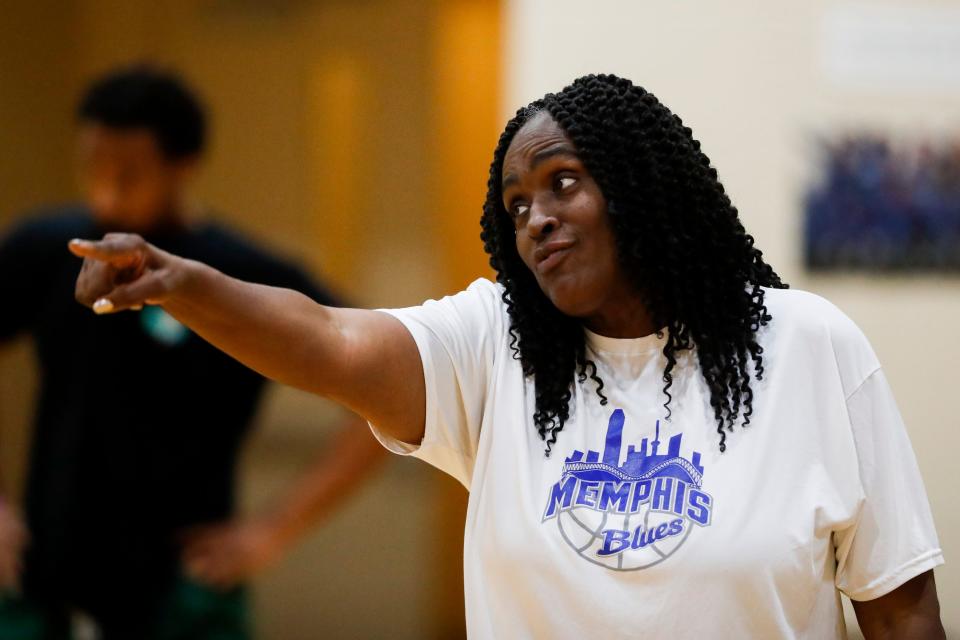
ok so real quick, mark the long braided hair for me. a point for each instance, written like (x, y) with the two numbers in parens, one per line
(678, 238)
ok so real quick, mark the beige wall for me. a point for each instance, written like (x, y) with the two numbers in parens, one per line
(746, 77)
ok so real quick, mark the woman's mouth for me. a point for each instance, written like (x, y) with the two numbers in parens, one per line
(552, 254)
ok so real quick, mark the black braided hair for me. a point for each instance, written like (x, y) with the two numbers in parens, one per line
(678, 237)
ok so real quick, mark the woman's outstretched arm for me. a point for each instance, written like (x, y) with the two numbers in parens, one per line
(365, 360)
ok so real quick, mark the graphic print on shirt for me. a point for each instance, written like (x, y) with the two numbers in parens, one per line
(633, 513)
(162, 327)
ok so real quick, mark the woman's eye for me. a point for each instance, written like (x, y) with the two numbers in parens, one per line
(519, 210)
(565, 183)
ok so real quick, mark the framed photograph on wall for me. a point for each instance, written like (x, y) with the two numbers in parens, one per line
(884, 204)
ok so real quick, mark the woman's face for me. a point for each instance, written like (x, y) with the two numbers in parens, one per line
(563, 230)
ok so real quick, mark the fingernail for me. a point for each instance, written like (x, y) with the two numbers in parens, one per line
(102, 306)
(78, 241)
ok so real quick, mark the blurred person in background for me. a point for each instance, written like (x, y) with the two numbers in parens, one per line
(130, 494)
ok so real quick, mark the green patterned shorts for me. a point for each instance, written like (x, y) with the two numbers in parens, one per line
(191, 611)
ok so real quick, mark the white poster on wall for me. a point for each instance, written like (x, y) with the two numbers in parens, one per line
(892, 47)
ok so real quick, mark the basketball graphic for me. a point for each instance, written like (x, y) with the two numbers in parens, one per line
(631, 515)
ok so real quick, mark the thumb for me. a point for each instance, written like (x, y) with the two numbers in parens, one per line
(150, 288)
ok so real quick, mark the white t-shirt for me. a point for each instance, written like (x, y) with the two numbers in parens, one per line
(637, 526)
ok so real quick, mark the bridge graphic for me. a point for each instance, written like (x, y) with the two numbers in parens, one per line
(638, 465)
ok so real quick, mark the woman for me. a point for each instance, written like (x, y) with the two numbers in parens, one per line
(630, 306)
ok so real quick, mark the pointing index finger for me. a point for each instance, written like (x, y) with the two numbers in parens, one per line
(118, 251)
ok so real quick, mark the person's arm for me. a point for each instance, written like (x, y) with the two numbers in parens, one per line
(224, 555)
(365, 360)
(911, 611)
(23, 249)
(13, 539)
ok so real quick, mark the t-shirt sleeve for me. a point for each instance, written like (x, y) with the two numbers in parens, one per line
(893, 538)
(458, 338)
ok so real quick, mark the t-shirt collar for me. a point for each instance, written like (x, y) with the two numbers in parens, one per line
(645, 344)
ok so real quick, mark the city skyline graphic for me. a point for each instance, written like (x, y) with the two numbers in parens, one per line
(640, 464)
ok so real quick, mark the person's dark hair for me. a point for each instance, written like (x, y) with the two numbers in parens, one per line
(145, 97)
(678, 237)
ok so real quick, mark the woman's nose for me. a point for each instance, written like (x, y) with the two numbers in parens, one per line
(542, 222)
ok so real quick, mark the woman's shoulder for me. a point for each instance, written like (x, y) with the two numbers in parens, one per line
(805, 309)
(483, 294)
(486, 287)
(804, 320)
(477, 310)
